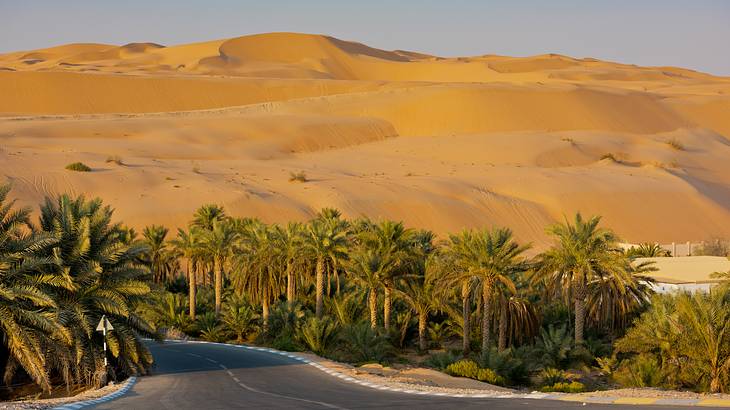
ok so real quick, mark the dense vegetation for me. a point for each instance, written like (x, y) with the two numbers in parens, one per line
(57, 279)
(475, 304)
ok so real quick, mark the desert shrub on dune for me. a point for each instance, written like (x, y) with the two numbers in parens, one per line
(300, 176)
(78, 166)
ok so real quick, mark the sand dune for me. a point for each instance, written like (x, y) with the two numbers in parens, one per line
(442, 143)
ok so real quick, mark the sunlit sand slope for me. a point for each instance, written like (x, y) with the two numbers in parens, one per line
(441, 143)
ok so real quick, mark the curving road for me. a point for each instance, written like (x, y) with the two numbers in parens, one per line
(209, 376)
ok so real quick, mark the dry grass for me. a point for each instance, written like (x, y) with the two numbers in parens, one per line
(610, 156)
(116, 159)
(675, 144)
(78, 167)
(300, 176)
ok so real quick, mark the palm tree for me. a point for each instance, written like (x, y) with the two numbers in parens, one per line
(424, 293)
(325, 239)
(218, 244)
(394, 239)
(160, 259)
(612, 301)
(583, 253)
(647, 250)
(107, 279)
(187, 245)
(706, 320)
(258, 265)
(368, 267)
(458, 275)
(491, 257)
(29, 329)
(206, 215)
(290, 241)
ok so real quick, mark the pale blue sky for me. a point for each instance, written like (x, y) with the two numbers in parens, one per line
(692, 33)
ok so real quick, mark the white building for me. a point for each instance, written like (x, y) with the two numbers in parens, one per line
(690, 273)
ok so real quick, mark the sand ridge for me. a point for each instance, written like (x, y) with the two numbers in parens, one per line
(442, 143)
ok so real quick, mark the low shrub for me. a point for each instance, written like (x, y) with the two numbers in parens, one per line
(78, 167)
(643, 370)
(115, 159)
(470, 369)
(463, 368)
(318, 335)
(675, 144)
(609, 156)
(364, 345)
(489, 376)
(562, 387)
(300, 176)
(441, 360)
(551, 376)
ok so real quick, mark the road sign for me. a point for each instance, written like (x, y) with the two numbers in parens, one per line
(104, 325)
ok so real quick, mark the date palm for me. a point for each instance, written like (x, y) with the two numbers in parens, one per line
(583, 253)
(206, 215)
(367, 267)
(258, 265)
(107, 279)
(424, 293)
(159, 256)
(491, 257)
(29, 327)
(218, 243)
(324, 240)
(290, 240)
(187, 245)
(394, 239)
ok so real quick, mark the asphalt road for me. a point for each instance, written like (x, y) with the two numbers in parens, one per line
(208, 376)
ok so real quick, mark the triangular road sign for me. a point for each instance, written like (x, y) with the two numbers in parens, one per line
(104, 325)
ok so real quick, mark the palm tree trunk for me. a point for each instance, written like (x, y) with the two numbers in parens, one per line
(486, 315)
(337, 279)
(387, 302)
(218, 287)
(373, 305)
(265, 313)
(579, 295)
(329, 281)
(465, 313)
(320, 288)
(503, 325)
(715, 382)
(193, 290)
(289, 283)
(422, 320)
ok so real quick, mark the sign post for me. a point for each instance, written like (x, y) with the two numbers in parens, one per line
(103, 327)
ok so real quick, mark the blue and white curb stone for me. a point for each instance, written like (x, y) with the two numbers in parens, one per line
(109, 397)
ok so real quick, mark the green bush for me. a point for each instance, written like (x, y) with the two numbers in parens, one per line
(643, 370)
(511, 364)
(363, 345)
(441, 360)
(318, 334)
(551, 376)
(78, 166)
(562, 387)
(469, 368)
(489, 376)
(463, 368)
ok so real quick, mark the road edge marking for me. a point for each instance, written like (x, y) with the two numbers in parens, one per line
(103, 399)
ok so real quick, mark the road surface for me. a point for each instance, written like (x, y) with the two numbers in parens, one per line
(211, 376)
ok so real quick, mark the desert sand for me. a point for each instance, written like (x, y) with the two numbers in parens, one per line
(440, 143)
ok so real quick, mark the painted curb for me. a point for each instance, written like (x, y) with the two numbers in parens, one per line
(709, 402)
(109, 397)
